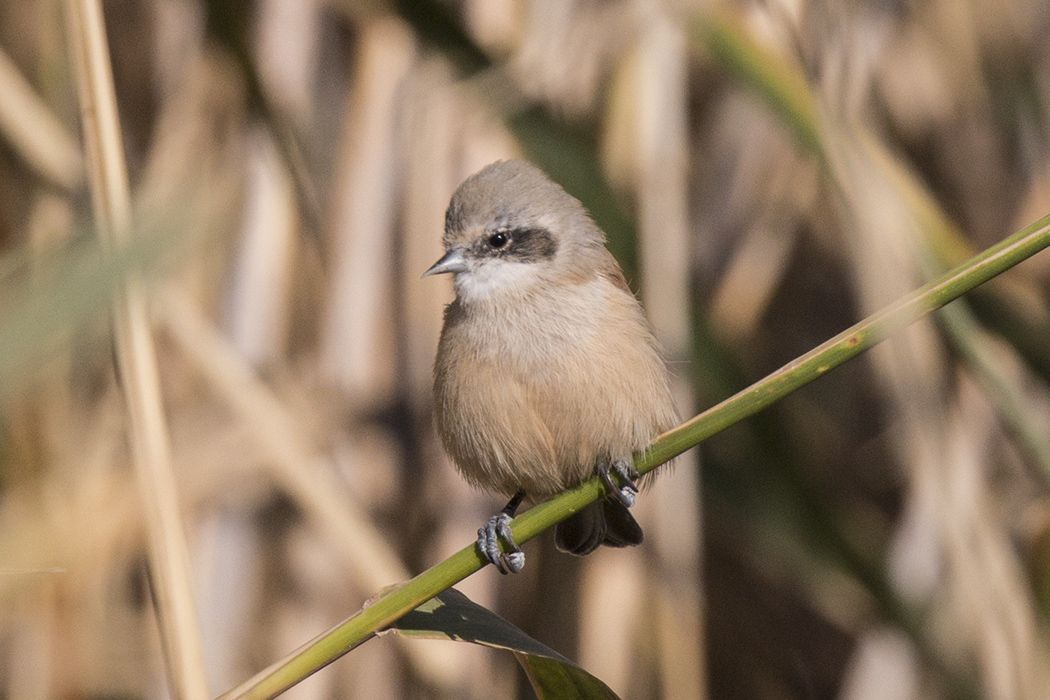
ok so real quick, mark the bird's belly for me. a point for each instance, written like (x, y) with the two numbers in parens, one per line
(541, 431)
(538, 401)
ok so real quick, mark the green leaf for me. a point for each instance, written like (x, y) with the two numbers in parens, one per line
(452, 616)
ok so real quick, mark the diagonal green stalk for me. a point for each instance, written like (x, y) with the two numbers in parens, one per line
(846, 345)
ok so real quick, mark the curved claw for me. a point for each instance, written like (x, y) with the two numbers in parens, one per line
(515, 561)
(498, 527)
(626, 494)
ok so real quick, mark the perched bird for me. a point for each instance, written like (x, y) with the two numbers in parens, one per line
(547, 372)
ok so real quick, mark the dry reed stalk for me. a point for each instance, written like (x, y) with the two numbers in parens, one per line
(192, 151)
(285, 51)
(752, 279)
(169, 559)
(43, 524)
(260, 292)
(358, 350)
(358, 334)
(882, 195)
(34, 132)
(647, 147)
(662, 169)
(910, 366)
(771, 188)
(428, 134)
(565, 48)
(987, 360)
(761, 189)
(608, 649)
(992, 583)
(884, 666)
(610, 635)
(34, 628)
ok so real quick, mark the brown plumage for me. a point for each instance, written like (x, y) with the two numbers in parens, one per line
(546, 369)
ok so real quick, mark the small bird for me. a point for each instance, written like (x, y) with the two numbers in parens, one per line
(547, 372)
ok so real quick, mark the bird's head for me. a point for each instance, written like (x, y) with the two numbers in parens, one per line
(510, 229)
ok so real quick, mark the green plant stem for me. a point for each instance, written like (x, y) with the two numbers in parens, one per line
(846, 345)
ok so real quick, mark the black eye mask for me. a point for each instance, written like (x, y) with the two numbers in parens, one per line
(520, 244)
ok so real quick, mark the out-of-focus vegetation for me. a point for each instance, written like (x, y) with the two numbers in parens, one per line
(768, 173)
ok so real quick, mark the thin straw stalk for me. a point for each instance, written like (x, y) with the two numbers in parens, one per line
(136, 358)
(34, 132)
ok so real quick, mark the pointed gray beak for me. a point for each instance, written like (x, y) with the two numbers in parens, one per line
(452, 261)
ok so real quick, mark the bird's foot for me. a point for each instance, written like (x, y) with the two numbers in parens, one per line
(626, 494)
(498, 527)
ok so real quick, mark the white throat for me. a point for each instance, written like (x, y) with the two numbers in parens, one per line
(492, 282)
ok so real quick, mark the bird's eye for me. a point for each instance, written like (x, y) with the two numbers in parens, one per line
(498, 240)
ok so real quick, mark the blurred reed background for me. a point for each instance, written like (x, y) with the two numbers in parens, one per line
(767, 172)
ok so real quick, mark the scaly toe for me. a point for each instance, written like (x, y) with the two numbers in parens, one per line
(514, 558)
(489, 546)
(498, 527)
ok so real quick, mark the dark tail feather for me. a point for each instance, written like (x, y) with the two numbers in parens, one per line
(582, 532)
(624, 530)
(605, 522)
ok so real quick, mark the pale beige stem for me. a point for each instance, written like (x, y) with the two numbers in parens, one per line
(136, 359)
(34, 132)
(657, 83)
